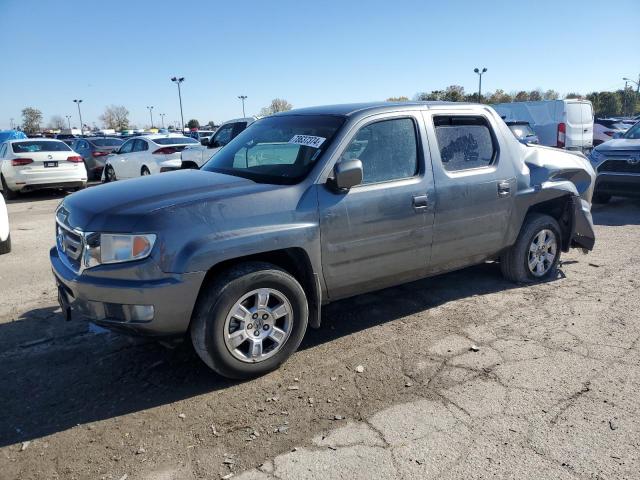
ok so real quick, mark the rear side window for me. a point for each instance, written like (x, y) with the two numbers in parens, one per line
(140, 146)
(39, 146)
(464, 142)
(388, 150)
(106, 142)
(174, 140)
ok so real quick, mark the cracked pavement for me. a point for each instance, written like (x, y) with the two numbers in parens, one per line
(551, 391)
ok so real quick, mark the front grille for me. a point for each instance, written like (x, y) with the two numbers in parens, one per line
(619, 166)
(70, 245)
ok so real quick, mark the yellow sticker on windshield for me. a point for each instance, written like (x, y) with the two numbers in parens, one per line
(307, 140)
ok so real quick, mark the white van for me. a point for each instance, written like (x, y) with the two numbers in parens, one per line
(558, 123)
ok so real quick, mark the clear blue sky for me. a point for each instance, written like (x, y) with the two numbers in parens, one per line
(124, 52)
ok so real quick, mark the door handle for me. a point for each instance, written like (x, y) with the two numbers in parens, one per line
(504, 189)
(420, 202)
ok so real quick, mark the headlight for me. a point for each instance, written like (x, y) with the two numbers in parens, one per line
(596, 156)
(102, 248)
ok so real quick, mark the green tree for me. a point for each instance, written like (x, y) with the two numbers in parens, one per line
(115, 117)
(193, 123)
(605, 104)
(521, 96)
(454, 93)
(535, 95)
(573, 95)
(398, 99)
(499, 96)
(31, 118)
(551, 95)
(434, 95)
(277, 105)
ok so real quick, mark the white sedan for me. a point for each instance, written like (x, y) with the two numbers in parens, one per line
(5, 236)
(35, 163)
(146, 155)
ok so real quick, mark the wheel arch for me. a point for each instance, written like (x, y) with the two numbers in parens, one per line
(561, 209)
(294, 261)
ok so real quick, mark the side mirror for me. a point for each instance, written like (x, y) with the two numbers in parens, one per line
(115, 152)
(617, 135)
(347, 174)
(215, 144)
(204, 142)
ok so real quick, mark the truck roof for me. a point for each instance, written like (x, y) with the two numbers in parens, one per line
(350, 109)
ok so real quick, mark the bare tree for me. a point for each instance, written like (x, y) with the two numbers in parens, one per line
(31, 118)
(398, 99)
(57, 122)
(551, 95)
(115, 117)
(277, 105)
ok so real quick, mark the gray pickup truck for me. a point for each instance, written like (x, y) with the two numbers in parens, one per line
(309, 206)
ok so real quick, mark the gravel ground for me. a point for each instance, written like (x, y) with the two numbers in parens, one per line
(463, 376)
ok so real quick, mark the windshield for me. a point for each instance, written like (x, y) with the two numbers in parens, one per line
(633, 133)
(39, 146)
(106, 142)
(174, 140)
(279, 149)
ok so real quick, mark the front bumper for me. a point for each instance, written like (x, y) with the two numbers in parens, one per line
(582, 234)
(108, 297)
(622, 184)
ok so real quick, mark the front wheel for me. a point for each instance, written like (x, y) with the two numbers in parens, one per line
(249, 320)
(535, 255)
(109, 174)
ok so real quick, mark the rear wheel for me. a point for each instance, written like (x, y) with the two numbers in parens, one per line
(535, 255)
(7, 192)
(145, 171)
(109, 174)
(249, 320)
(5, 247)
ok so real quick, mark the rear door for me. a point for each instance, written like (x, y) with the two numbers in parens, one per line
(579, 125)
(475, 184)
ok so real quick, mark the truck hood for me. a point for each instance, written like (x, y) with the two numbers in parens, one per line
(619, 144)
(120, 206)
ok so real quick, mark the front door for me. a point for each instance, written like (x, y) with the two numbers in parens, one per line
(379, 233)
(475, 188)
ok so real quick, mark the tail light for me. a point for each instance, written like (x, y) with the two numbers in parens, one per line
(562, 133)
(18, 162)
(74, 159)
(165, 151)
(609, 133)
(100, 154)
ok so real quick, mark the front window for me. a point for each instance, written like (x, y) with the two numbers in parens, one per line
(39, 146)
(633, 133)
(279, 149)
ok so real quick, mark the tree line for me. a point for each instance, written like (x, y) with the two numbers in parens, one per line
(116, 117)
(606, 104)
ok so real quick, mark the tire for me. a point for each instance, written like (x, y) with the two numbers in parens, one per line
(144, 171)
(109, 174)
(7, 192)
(5, 247)
(210, 323)
(601, 198)
(515, 262)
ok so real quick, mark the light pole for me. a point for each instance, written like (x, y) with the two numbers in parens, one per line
(151, 114)
(633, 81)
(178, 81)
(243, 98)
(69, 121)
(78, 102)
(162, 119)
(11, 120)
(480, 73)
